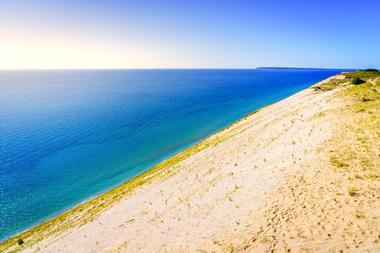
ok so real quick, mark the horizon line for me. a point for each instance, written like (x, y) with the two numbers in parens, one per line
(176, 68)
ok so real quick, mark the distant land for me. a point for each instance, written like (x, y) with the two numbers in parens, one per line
(300, 68)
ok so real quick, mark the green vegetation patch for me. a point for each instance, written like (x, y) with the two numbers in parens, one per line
(358, 148)
(330, 84)
(366, 96)
(356, 78)
(364, 74)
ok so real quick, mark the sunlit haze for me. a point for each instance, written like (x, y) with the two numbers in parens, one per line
(160, 34)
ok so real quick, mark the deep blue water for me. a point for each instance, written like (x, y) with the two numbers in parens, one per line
(68, 135)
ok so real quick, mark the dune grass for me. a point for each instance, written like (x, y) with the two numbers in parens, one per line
(358, 151)
(363, 74)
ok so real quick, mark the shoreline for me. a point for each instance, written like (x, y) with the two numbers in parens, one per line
(201, 198)
(126, 187)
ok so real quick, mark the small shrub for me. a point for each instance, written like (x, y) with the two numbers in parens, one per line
(337, 163)
(373, 175)
(365, 99)
(321, 114)
(352, 191)
(357, 80)
(359, 215)
(20, 241)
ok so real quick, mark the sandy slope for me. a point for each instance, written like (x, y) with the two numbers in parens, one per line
(269, 186)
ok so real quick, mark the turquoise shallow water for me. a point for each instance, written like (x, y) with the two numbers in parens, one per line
(68, 135)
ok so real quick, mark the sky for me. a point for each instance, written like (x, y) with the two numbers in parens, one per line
(92, 34)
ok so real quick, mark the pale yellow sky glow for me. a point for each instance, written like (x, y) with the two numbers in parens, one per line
(68, 53)
(18, 55)
(32, 53)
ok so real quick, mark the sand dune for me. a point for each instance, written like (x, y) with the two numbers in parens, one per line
(278, 180)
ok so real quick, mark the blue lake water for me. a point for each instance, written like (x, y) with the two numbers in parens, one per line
(66, 136)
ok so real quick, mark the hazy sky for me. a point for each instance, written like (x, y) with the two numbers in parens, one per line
(189, 33)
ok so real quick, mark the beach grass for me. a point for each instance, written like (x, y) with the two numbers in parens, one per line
(354, 151)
